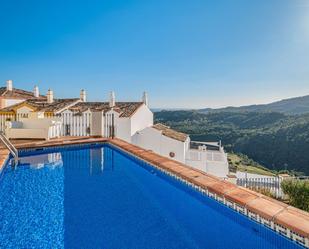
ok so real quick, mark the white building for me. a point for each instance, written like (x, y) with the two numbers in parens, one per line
(107, 119)
(79, 118)
(48, 117)
(207, 157)
(11, 96)
(164, 141)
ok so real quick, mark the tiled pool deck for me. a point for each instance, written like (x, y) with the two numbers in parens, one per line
(286, 220)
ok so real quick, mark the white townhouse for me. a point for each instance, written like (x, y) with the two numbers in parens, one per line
(77, 117)
(10, 95)
(46, 117)
(107, 119)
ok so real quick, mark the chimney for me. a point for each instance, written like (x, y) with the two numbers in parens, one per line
(36, 92)
(9, 85)
(112, 99)
(50, 96)
(145, 98)
(82, 95)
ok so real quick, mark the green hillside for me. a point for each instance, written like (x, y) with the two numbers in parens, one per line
(275, 140)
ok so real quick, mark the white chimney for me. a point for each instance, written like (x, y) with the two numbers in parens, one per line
(36, 92)
(145, 98)
(50, 96)
(112, 99)
(82, 95)
(9, 85)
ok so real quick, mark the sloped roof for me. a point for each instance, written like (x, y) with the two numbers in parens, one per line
(126, 109)
(168, 132)
(18, 93)
(42, 105)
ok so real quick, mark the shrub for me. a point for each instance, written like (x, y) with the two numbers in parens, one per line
(298, 192)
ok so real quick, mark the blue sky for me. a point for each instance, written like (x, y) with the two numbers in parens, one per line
(183, 53)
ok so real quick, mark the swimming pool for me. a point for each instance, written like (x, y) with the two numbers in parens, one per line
(99, 197)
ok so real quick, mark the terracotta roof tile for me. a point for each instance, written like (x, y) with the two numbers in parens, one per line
(42, 105)
(168, 132)
(18, 93)
(125, 109)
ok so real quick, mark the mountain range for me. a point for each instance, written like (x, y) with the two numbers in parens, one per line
(292, 106)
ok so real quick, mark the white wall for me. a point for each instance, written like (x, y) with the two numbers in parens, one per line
(127, 127)
(152, 139)
(141, 119)
(124, 129)
(97, 126)
(211, 162)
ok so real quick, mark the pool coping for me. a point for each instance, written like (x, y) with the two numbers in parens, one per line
(286, 220)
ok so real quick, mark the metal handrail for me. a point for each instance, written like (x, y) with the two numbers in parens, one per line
(9, 146)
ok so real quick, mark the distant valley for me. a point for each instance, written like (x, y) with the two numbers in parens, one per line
(275, 135)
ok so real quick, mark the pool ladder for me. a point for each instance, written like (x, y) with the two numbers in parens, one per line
(10, 147)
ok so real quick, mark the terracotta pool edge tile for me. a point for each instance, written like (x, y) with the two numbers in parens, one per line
(264, 211)
(297, 225)
(241, 196)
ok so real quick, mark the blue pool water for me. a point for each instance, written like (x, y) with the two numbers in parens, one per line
(99, 197)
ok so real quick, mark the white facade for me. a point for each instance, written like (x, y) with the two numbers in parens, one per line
(98, 123)
(153, 139)
(210, 161)
(127, 127)
(141, 119)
